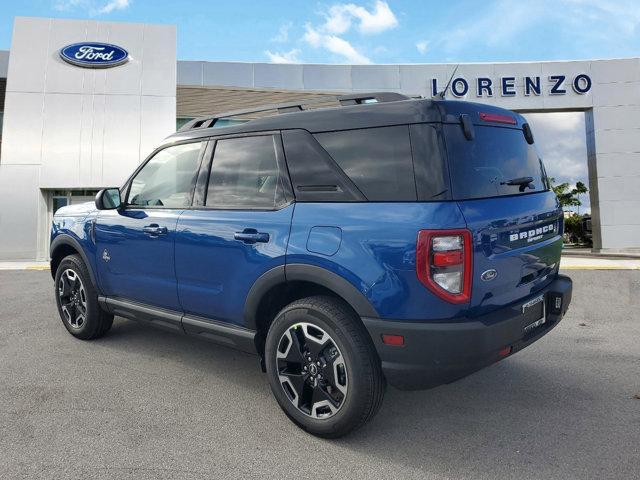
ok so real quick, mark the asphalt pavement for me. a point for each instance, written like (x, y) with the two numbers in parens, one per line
(143, 403)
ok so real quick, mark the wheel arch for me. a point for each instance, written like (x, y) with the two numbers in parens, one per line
(64, 245)
(282, 285)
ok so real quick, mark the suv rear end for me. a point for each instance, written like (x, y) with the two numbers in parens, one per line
(453, 234)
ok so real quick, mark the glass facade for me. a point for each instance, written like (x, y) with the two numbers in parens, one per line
(181, 121)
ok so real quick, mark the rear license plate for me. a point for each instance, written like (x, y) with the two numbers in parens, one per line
(533, 313)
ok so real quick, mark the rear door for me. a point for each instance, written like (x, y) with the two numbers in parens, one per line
(239, 229)
(516, 224)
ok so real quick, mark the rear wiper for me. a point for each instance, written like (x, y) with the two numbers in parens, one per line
(524, 182)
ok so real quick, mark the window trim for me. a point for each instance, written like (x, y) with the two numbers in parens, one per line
(126, 188)
(207, 165)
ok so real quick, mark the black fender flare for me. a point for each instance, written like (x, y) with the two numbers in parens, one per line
(305, 273)
(65, 239)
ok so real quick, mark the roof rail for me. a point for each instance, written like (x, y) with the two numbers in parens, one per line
(297, 106)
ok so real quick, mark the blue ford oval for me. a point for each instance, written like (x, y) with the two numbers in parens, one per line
(94, 55)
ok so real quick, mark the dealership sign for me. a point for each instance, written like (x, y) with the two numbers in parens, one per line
(94, 55)
(485, 87)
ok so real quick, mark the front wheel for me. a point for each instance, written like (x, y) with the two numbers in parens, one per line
(322, 367)
(77, 300)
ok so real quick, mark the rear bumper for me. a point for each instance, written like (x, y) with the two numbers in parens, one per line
(438, 353)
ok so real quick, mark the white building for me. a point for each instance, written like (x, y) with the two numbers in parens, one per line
(68, 130)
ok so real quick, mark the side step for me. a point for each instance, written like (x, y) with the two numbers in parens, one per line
(222, 333)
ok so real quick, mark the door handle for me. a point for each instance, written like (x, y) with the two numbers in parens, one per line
(154, 230)
(251, 235)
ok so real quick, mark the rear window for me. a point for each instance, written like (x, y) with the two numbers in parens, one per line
(483, 167)
(377, 160)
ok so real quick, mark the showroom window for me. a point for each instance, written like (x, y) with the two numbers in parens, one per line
(182, 121)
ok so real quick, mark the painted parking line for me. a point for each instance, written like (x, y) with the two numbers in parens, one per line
(597, 267)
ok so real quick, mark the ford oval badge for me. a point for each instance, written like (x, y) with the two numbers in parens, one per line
(489, 275)
(94, 55)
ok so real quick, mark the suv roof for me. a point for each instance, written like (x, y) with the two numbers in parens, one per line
(394, 109)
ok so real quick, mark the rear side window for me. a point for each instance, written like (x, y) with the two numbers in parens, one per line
(244, 174)
(377, 160)
(483, 167)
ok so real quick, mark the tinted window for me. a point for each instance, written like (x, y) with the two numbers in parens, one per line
(377, 160)
(429, 165)
(314, 174)
(167, 179)
(482, 167)
(244, 174)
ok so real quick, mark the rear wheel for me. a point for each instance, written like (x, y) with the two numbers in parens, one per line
(77, 300)
(322, 367)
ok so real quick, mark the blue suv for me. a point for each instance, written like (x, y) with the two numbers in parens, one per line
(385, 239)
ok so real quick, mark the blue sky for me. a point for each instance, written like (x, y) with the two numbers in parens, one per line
(369, 31)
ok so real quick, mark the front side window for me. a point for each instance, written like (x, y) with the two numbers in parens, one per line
(245, 175)
(167, 179)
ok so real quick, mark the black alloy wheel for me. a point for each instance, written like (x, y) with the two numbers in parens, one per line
(312, 370)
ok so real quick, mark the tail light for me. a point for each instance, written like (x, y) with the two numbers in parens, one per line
(495, 118)
(444, 263)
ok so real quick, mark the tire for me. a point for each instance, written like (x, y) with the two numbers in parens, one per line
(343, 392)
(77, 300)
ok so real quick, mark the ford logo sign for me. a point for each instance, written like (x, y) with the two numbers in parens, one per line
(489, 275)
(94, 55)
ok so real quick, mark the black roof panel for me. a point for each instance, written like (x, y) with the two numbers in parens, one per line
(356, 116)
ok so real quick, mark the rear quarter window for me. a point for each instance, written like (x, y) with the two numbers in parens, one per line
(377, 160)
(481, 167)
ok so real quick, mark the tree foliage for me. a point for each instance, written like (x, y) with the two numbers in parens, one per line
(568, 197)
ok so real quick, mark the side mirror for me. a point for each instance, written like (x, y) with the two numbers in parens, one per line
(108, 199)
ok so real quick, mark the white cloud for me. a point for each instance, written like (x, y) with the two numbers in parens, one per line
(284, 57)
(92, 7)
(422, 46)
(339, 18)
(334, 44)
(329, 32)
(114, 5)
(283, 33)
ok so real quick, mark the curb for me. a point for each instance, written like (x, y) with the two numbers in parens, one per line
(607, 256)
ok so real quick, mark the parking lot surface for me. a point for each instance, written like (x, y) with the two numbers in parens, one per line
(142, 403)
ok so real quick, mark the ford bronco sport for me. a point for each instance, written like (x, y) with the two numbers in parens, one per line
(388, 239)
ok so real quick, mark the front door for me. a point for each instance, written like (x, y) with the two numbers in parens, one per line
(135, 244)
(240, 232)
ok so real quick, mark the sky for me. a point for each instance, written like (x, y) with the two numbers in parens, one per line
(392, 31)
(369, 31)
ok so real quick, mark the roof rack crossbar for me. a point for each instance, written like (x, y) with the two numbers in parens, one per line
(288, 107)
